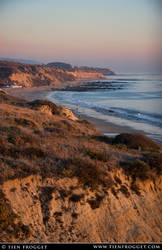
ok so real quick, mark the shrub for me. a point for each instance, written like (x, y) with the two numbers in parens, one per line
(10, 130)
(56, 110)
(86, 171)
(3, 146)
(154, 160)
(97, 155)
(137, 169)
(120, 146)
(33, 152)
(103, 138)
(25, 122)
(21, 139)
(136, 141)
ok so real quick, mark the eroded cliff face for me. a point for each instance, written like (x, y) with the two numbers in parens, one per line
(81, 74)
(60, 210)
(26, 75)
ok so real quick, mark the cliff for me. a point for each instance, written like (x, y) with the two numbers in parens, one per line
(104, 71)
(62, 181)
(60, 210)
(13, 74)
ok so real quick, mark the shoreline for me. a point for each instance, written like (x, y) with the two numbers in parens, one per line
(106, 128)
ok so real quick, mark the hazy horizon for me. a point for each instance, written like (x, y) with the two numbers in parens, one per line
(122, 35)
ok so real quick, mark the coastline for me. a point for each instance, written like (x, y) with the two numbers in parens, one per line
(43, 92)
(106, 128)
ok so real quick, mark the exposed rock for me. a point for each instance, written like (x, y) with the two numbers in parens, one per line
(83, 215)
(69, 114)
(52, 109)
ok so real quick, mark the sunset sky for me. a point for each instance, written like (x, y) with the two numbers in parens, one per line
(120, 34)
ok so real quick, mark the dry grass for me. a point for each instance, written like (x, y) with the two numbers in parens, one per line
(33, 142)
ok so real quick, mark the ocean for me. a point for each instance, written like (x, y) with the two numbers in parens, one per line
(133, 100)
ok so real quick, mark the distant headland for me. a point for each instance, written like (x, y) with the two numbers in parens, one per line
(17, 74)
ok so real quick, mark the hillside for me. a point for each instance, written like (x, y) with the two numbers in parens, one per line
(28, 75)
(62, 181)
(67, 66)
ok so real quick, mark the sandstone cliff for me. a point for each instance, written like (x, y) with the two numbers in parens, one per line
(60, 210)
(14, 74)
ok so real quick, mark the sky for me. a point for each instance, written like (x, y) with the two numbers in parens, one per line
(123, 35)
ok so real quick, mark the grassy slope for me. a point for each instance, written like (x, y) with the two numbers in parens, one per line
(39, 142)
(34, 142)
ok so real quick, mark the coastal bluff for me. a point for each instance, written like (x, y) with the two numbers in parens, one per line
(62, 181)
(17, 75)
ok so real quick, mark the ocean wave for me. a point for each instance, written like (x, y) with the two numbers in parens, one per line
(122, 113)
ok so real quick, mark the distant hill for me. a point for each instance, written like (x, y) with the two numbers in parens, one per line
(19, 60)
(61, 65)
(67, 66)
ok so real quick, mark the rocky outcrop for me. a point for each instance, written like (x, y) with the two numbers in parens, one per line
(69, 114)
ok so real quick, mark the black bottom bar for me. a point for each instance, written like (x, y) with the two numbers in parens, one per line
(26, 246)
